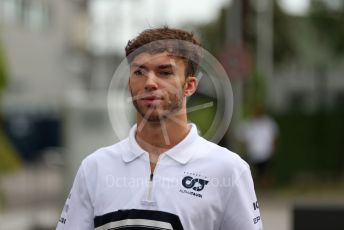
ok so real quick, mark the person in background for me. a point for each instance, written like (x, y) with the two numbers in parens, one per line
(259, 135)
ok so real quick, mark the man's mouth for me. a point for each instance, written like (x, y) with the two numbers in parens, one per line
(151, 100)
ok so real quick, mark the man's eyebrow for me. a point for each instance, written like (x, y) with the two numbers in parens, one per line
(141, 66)
(166, 66)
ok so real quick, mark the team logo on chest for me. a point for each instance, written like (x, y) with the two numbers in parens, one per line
(193, 184)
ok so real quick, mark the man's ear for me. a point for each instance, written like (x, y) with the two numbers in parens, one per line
(190, 85)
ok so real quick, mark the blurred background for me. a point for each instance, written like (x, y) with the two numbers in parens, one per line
(284, 58)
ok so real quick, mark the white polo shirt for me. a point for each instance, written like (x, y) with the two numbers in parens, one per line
(197, 185)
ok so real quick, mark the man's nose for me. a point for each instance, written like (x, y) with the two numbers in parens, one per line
(151, 82)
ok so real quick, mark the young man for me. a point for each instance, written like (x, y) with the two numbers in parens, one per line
(164, 175)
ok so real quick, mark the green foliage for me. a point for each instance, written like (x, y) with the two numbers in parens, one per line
(3, 73)
(203, 117)
(213, 33)
(255, 91)
(284, 41)
(9, 159)
(311, 39)
(309, 145)
(328, 26)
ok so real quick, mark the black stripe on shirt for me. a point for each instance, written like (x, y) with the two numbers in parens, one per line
(137, 228)
(139, 214)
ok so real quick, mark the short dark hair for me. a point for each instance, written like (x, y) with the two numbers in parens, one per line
(163, 39)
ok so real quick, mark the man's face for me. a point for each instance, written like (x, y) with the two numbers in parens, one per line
(158, 85)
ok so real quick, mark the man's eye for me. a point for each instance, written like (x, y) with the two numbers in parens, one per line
(138, 73)
(166, 73)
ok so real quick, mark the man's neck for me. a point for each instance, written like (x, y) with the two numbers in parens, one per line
(158, 137)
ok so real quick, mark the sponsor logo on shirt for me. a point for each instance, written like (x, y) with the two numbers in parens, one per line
(255, 207)
(256, 219)
(193, 184)
(62, 220)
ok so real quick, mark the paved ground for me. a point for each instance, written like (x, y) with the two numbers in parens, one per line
(34, 196)
(31, 198)
(275, 212)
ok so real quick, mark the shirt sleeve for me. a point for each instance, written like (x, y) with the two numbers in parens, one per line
(242, 210)
(78, 210)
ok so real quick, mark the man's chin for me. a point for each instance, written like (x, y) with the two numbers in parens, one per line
(154, 117)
